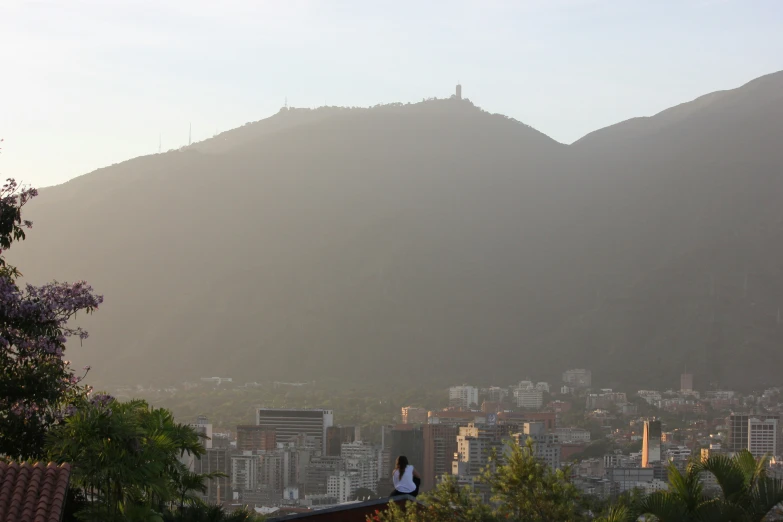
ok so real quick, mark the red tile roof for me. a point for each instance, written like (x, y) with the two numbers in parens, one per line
(33, 492)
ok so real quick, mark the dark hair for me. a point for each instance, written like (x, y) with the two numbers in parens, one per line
(402, 463)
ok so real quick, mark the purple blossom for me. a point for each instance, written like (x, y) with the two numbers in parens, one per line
(37, 387)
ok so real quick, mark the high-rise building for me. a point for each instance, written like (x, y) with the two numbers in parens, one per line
(578, 378)
(547, 446)
(318, 471)
(216, 460)
(408, 440)
(413, 415)
(762, 436)
(463, 397)
(686, 382)
(440, 445)
(270, 472)
(251, 437)
(362, 459)
(288, 423)
(203, 427)
(651, 443)
(244, 471)
(337, 435)
(738, 423)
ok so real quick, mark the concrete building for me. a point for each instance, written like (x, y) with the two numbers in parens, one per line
(318, 471)
(363, 461)
(463, 397)
(573, 434)
(626, 479)
(251, 437)
(686, 382)
(270, 471)
(408, 440)
(413, 415)
(475, 444)
(337, 435)
(578, 378)
(651, 443)
(342, 486)
(203, 427)
(738, 425)
(531, 399)
(244, 471)
(496, 394)
(652, 397)
(762, 437)
(549, 418)
(288, 423)
(440, 445)
(546, 445)
(216, 460)
(604, 400)
(456, 418)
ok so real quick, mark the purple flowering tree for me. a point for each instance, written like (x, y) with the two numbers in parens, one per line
(37, 385)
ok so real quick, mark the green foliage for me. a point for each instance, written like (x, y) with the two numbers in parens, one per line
(210, 514)
(522, 489)
(748, 494)
(125, 458)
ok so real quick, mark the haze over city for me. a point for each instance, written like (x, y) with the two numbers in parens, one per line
(391, 261)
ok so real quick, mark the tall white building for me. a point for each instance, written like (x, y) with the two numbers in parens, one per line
(244, 471)
(762, 436)
(463, 397)
(342, 486)
(362, 459)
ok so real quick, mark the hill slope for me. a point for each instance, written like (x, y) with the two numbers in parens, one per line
(411, 240)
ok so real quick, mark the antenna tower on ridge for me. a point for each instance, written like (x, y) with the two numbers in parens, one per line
(190, 133)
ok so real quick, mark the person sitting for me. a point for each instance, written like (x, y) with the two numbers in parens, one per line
(406, 479)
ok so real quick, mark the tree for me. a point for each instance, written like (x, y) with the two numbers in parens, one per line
(523, 489)
(125, 458)
(36, 383)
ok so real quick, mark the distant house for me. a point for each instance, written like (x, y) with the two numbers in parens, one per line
(350, 512)
(33, 491)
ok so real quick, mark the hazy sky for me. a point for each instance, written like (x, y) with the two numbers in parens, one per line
(88, 83)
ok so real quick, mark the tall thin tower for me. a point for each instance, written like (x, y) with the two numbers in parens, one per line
(190, 132)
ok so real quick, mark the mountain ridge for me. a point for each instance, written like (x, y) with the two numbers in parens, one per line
(430, 236)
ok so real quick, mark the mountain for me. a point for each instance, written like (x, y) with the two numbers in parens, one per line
(434, 241)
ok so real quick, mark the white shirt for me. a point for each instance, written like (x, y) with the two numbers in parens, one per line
(404, 484)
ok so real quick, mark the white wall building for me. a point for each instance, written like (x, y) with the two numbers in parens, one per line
(762, 436)
(530, 398)
(244, 471)
(573, 434)
(464, 396)
(653, 397)
(342, 486)
(362, 459)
